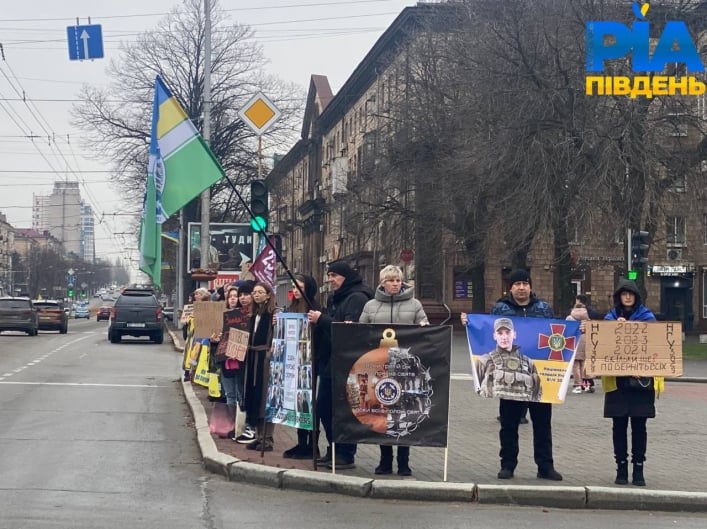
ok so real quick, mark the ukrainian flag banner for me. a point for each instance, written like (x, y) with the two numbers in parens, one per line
(180, 167)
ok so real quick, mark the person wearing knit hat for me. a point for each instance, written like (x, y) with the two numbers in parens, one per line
(345, 303)
(521, 301)
(341, 268)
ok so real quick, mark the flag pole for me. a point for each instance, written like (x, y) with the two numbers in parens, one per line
(206, 134)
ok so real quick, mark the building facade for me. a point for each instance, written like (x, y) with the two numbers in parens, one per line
(61, 215)
(342, 139)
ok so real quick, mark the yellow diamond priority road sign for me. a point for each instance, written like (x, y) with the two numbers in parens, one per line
(259, 113)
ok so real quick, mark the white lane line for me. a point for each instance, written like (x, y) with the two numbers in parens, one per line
(461, 376)
(45, 356)
(78, 384)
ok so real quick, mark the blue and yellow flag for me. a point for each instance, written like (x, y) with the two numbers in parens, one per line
(180, 167)
(526, 359)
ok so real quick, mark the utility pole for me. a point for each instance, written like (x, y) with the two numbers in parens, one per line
(206, 133)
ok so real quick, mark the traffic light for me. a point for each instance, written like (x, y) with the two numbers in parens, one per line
(70, 293)
(259, 205)
(640, 242)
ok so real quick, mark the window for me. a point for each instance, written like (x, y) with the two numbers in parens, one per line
(675, 232)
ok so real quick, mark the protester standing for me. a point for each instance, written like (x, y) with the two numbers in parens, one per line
(257, 369)
(349, 295)
(630, 398)
(580, 313)
(393, 302)
(522, 302)
(305, 447)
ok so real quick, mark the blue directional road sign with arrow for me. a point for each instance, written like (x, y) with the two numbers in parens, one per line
(85, 42)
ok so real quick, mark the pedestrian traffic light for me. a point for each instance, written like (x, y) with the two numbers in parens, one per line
(259, 205)
(640, 242)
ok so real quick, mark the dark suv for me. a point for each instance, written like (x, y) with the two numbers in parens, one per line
(136, 313)
(18, 314)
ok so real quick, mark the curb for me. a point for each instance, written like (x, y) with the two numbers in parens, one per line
(589, 497)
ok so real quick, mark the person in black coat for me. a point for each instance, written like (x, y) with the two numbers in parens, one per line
(629, 398)
(345, 305)
(305, 445)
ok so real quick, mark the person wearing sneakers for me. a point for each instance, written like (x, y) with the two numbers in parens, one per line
(522, 302)
(630, 398)
(394, 302)
(257, 370)
(345, 303)
(579, 313)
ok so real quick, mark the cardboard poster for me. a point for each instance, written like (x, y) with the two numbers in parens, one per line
(208, 318)
(634, 348)
(526, 359)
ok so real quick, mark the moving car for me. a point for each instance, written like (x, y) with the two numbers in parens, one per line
(136, 313)
(81, 312)
(103, 313)
(18, 314)
(51, 315)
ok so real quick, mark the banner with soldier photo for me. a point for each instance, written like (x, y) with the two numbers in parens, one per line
(526, 359)
(391, 383)
(289, 398)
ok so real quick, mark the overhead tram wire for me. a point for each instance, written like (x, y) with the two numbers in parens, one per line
(96, 211)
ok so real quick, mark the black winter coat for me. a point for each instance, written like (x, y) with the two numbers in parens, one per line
(345, 305)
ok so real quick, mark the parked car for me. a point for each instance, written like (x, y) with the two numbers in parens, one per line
(51, 315)
(82, 312)
(136, 313)
(103, 313)
(18, 314)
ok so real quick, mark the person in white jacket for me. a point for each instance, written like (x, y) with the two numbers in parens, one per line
(394, 302)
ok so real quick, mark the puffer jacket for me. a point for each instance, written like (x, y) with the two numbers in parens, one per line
(507, 306)
(400, 308)
(580, 314)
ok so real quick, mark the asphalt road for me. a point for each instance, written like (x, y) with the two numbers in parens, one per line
(96, 435)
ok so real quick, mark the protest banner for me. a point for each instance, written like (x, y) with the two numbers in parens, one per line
(526, 359)
(289, 399)
(634, 348)
(208, 318)
(391, 383)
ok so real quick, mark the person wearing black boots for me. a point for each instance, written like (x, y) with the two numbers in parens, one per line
(305, 446)
(393, 302)
(522, 302)
(630, 398)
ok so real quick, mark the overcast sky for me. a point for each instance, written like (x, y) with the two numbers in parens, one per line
(299, 38)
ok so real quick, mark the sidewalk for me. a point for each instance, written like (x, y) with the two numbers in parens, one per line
(675, 469)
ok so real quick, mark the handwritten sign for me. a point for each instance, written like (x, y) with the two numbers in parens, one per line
(208, 318)
(237, 344)
(634, 348)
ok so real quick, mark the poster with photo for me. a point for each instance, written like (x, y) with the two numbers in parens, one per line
(289, 398)
(526, 359)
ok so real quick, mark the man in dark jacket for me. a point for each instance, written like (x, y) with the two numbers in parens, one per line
(522, 302)
(350, 294)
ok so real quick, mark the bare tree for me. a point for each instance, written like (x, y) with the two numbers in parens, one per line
(117, 119)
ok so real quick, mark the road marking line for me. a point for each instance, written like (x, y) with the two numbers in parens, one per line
(9, 382)
(44, 357)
